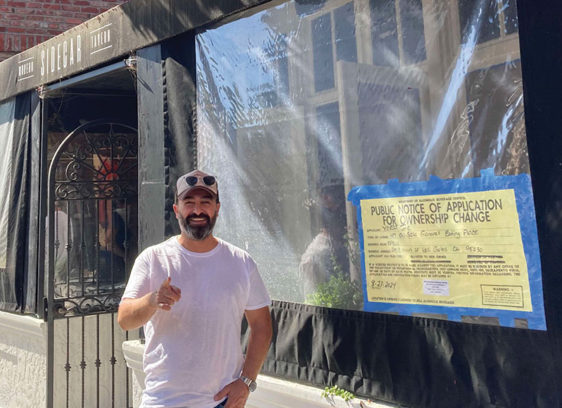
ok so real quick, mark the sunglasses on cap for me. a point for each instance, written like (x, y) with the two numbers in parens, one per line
(208, 180)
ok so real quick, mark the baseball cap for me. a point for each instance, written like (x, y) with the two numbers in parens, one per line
(196, 179)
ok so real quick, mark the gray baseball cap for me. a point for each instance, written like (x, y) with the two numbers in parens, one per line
(196, 179)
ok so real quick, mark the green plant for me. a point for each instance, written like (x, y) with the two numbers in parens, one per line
(339, 292)
(335, 391)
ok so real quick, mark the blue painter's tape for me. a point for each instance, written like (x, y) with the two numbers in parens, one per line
(521, 184)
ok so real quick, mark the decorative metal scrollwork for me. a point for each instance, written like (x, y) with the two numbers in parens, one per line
(97, 161)
(88, 305)
(92, 202)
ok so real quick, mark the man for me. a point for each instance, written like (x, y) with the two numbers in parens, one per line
(326, 255)
(190, 293)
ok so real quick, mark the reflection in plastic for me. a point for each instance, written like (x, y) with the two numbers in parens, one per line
(300, 99)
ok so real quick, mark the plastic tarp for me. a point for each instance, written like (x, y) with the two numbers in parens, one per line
(14, 140)
(302, 102)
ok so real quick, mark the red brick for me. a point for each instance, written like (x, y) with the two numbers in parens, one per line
(93, 10)
(70, 8)
(73, 21)
(25, 11)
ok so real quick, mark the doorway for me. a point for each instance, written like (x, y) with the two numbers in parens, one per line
(90, 185)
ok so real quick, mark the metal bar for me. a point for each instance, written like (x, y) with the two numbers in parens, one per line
(97, 244)
(82, 248)
(126, 241)
(67, 366)
(48, 90)
(83, 362)
(112, 255)
(113, 360)
(50, 278)
(98, 361)
(127, 373)
(68, 249)
(56, 244)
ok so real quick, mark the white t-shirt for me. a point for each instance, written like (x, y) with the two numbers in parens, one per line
(193, 350)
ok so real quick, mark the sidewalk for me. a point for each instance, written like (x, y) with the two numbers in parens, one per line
(277, 393)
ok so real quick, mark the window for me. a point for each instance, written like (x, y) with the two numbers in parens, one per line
(495, 19)
(397, 32)
(332, 33)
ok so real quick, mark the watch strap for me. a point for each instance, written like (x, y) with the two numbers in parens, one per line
(249, 382)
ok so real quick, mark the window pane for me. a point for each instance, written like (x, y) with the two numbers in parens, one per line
(510, 16)
(480, 17)
(492, 127)
(413, 39)
(390, 129)
(327, 135)
(344, 18)
(322, 51)
(384, 33)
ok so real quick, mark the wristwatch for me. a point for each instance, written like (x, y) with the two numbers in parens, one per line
(252, 385)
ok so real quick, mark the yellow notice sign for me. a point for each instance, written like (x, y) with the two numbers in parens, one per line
(458, 250)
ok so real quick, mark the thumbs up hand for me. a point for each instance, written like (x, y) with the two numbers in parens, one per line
(168, 294)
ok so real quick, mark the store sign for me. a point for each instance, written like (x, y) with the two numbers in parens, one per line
(465, 247)
(59, 56)
(64, 54)
(110, 35)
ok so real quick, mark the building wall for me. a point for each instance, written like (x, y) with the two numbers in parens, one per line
(23, 361)
(26, 24)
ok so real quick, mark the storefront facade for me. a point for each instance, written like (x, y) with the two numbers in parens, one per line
(392, 166)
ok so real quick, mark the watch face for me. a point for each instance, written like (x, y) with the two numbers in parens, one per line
(253, 385)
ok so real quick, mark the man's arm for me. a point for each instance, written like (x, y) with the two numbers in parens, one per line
(259, 321)
(261, 331)
(133, 313)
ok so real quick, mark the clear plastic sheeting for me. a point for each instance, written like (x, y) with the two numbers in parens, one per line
(7, 128)
(14, 136)
(303, 101)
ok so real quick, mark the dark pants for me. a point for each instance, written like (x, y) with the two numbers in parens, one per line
(222, 404)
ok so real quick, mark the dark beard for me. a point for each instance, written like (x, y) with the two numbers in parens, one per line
(198, 233)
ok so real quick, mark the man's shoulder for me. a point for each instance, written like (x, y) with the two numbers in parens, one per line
(235, 251)
(163, 247)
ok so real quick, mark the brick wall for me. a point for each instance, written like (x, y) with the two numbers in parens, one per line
(24, 24)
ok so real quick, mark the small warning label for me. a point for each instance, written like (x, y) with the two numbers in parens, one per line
(502, 295)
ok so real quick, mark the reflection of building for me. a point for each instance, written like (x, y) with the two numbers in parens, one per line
(356, 92)
(307, 95)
